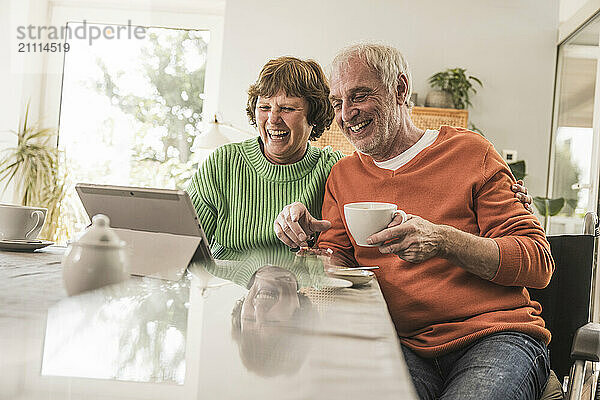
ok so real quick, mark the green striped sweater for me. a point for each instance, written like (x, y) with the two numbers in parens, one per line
(238, 193)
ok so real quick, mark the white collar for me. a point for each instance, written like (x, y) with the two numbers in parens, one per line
(403, 158)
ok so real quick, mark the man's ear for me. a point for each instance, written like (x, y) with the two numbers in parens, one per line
(402, 89)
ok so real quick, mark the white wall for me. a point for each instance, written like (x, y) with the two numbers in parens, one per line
(509, 45)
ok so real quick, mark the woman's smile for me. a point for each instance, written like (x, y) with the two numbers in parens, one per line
(283, 127)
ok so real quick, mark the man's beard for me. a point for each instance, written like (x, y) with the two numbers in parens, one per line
(381, 138)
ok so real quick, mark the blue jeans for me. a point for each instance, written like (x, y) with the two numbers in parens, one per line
(503, 366)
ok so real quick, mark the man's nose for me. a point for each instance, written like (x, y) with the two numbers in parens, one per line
(348, 112)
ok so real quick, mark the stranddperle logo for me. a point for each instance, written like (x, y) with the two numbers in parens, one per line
(47, 34)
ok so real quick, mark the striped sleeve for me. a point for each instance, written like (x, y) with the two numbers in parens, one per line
(204, 194)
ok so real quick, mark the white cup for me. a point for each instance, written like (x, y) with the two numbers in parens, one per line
(366, 218)
(21, 222)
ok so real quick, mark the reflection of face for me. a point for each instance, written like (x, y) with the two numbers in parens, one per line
(272, 299)
(364, 109)
(283, 127)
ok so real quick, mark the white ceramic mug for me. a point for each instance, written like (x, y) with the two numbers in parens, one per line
(366, 218)
(21, 222)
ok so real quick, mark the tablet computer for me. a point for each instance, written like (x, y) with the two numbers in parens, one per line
(146, 218)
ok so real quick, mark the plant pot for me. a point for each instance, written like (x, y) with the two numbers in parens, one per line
(439, 98)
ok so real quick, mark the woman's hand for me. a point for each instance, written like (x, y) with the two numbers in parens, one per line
(521, 195)
(294, 225)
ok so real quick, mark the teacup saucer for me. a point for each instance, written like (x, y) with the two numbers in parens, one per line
(357, 277)
(23, 245)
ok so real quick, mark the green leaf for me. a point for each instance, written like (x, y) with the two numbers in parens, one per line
(572, 203)
(548, 207)
(457, 83)
(24, 127)
(518, 169)
(476, 80)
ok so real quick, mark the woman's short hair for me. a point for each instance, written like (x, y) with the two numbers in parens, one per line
(297, 78)
(385, 60)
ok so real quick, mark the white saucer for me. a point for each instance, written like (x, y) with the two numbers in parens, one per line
(357, 277)
(23, 245)
(333, 283)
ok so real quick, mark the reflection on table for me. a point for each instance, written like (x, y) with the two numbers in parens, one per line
(272, 322)
(272, 325)
(125, 332)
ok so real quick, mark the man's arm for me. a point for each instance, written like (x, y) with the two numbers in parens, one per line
(480, 256)
(511, 248)
(336, 237)
(418, 240)
(295, 225)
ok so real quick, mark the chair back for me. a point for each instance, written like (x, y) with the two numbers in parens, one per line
(566, 300)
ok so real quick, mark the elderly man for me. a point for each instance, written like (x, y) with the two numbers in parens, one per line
(454, 274)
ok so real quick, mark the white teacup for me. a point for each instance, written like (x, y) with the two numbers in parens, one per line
(21, 222)
(366, 218)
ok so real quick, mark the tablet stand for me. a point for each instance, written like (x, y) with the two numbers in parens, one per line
(161, 255)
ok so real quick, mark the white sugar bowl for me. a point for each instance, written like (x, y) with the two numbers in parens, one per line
(97, 259)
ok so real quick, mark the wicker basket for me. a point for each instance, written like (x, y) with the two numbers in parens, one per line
(433, 118)
(335, 138)
(423, 118)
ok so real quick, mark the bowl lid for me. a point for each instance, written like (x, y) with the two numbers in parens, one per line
(100, 233)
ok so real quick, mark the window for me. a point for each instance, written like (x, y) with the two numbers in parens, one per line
(576, 138)
(131, 108)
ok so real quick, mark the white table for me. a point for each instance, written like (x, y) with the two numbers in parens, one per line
(154, 339)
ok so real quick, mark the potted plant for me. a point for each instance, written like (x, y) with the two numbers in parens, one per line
(453, 89)
(545, 206)
(33, 166)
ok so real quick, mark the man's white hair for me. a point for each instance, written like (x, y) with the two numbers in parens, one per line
(385, 60)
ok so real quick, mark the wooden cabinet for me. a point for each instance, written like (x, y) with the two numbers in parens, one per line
(423, 117)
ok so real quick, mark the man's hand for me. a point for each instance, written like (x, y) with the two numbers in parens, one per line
(294, 225)
(415, 240)
(418, 240)
(521, 194)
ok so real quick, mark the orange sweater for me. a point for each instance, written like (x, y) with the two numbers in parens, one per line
(461, 181)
